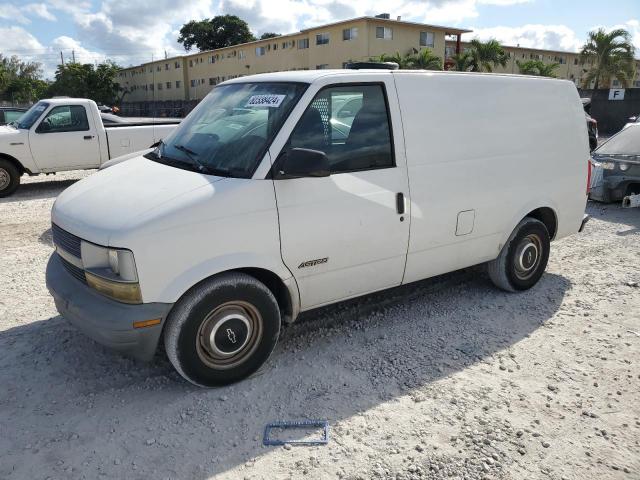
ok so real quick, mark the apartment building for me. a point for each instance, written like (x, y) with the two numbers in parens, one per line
(191, 77)
(569, 66)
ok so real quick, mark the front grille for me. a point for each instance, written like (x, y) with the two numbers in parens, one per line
(77, 273)
(65, 240)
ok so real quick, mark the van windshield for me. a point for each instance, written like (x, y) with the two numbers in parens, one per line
(228, 132)
(31, 115)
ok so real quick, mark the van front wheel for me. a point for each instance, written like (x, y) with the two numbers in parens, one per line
(222, 330)
(523, 258)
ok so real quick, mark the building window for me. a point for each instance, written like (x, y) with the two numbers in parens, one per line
(158, 68)
(303, 43)
(191, 63)
(616, 83)
(349, 33)
(241, 54)
(322, 39)
(211, 59)
(212, 81)
(449, 51)
(193, 83)
(151, 87)
(322, 66)
(166, 66)
(636, 84)
(168, 85)
(275, 46)
(159, 86)
(260, 51)
(177, 64)
(575, 61)
(426, 39)
(385, 33)
(178, 83)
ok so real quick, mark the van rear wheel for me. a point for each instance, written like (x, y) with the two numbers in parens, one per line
(523, 258)
(9, 178)
(222, 330)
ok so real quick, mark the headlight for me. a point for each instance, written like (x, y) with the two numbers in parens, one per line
(604, 165)
(112, 272)
(624, 166)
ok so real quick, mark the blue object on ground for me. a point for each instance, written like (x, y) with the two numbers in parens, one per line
(324, 424)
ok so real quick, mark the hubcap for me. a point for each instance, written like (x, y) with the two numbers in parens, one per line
(5, 179)
(527, 257)
(229, 335)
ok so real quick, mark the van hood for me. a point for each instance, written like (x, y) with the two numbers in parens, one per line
(118, 199)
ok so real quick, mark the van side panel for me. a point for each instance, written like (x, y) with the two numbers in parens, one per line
(485, 150)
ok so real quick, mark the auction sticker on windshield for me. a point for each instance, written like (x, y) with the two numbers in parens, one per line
(273, 101)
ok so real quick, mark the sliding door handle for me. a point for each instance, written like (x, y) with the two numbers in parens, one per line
(88, 137)
(400, 203)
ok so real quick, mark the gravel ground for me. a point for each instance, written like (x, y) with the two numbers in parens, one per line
(446, 378)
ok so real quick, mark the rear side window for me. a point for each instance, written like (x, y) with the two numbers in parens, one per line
(65, 118)
(350, 124)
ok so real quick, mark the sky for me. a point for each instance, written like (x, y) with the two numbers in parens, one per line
(131, 32)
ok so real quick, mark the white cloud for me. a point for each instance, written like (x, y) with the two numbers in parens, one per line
(552, 37)
(40, 10)
(13, 14)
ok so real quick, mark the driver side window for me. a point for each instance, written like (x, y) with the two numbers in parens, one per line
(65, 118)
(350, 124)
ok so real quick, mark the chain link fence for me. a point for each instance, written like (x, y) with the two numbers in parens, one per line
(158, 109)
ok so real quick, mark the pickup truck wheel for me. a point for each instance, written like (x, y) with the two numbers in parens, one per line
(222, 330)
(523, 258)
(9, 178)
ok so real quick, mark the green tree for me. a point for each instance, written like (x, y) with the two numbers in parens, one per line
(461, 62)
(609, 55)
(485, 56)
(88, 81)
(20, 81)
(266, 35)
(537, 68)
(424, 60)
(217, 32)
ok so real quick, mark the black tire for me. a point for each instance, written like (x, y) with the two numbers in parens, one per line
(9, 178)
(198, 347)
(523, 258)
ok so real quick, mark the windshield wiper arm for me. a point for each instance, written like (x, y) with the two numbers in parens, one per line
(221, 172)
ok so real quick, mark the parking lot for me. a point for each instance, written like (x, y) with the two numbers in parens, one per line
(446, 378)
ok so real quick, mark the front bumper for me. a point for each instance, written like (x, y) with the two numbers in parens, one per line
(106, 321)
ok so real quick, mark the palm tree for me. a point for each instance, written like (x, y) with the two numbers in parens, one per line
(461, 62)
(486, 55)
(537, 68)
(610, 54)
(424, 60)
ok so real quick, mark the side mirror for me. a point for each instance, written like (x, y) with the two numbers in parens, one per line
(44, 126)
(633, 119)
(301, 163)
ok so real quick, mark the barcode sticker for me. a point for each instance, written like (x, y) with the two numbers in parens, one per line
(272, 101)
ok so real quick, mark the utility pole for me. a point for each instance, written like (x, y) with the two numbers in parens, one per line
(61, 58)
(73, 55)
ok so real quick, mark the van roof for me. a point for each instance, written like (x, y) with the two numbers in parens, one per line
(309, 76)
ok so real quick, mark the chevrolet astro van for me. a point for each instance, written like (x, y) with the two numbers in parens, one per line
(286, 191)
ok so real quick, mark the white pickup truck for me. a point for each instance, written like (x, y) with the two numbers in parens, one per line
(68, 134)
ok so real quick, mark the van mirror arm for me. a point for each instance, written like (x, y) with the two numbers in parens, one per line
(301, 163)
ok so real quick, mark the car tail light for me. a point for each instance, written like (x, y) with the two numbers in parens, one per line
(588, 176)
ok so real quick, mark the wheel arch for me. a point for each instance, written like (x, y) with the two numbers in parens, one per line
(15, 162)
(544, 210)
(285, 290)
(547, 216)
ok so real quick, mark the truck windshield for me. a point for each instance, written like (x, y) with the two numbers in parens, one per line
(228, 132)
(31, 115)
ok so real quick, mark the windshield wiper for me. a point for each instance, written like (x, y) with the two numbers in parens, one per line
(191, 155)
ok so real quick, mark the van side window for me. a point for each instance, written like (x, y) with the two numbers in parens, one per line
(65, 118)
(350, 124)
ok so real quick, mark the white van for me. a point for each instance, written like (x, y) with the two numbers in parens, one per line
(265, 202)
